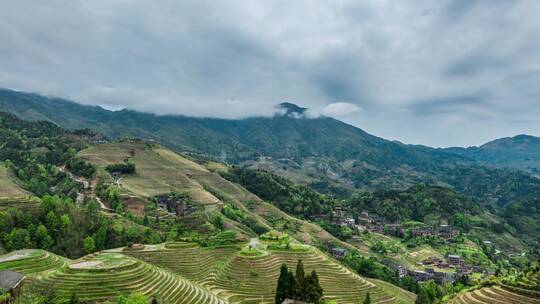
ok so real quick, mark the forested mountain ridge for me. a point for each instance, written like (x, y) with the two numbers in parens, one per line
(339, 150)
(327, 154)
(521, 151)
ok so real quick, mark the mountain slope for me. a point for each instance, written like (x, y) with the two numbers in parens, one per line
(347, 152)
(521, 151)
(325, 153)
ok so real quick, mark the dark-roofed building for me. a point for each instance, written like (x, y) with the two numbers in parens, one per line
(338, 252)
(291, 301)
(11, 282)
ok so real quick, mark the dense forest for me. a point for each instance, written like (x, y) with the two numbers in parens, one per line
(422, 203)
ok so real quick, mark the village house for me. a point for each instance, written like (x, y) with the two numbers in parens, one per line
(447, 232)
(418, 275)
(11, 282)
(422, 232)
(348, 221)
(401, 271)
(454, 260)
(432, 260)
(364, 219)
(376, 228)
(173, 205)
(291, 301)
(465, 269)
(443, 264)
(339, 212)
(441, 277)
(393, 229)
(338, 252)
(116, 175)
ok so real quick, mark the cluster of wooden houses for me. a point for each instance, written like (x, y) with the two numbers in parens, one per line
(174, 206)
(376, 224)
(441, 277)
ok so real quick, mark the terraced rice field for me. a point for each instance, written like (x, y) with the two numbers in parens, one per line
(8, 186)
(498, 295)
(158, 171)
(104, 276)
(32, 261)
(245, 280)
(24, 204)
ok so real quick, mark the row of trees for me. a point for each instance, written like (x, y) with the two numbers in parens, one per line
(67, 229)
(126, 167)
(299, 287)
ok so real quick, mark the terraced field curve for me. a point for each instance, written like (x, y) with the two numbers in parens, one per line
(32, 262)
(252, 279)
(104, 276)
(498, 295)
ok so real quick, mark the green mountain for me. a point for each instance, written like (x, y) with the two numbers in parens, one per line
(321, 146)
(521, 151)
(324, 153)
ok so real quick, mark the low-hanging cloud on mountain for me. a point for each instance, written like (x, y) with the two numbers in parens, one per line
(431, 72)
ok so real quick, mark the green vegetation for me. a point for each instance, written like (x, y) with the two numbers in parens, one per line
(302, 288)
(520, 151)
(65, 228)
(126, 167)
(421, 203)
(35, 151)
(294, 199)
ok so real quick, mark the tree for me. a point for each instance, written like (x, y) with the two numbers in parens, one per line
(290, 286)
(314, 291)
(101, 237)
(134, 298)
(367, 300)
(300, 277)
(74, 299)
(89, 245)
(218, 222)
(428, 293)
(18, 238)
(42, 238)
(282, 288)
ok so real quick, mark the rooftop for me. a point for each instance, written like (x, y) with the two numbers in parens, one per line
(10, 279)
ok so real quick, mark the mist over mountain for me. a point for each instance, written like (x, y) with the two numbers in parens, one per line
(292, 139)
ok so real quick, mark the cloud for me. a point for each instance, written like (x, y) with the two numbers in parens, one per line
(467, 69)
(340, 109)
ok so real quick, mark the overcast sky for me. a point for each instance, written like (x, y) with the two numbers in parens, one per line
(439, 73)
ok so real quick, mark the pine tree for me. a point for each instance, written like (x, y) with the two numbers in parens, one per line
(290, 286)
(74, 299)
(301, 285)
(367, 300)
(282, 288)
(314, 291)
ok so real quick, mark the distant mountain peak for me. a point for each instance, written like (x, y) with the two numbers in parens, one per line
(291, 109)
